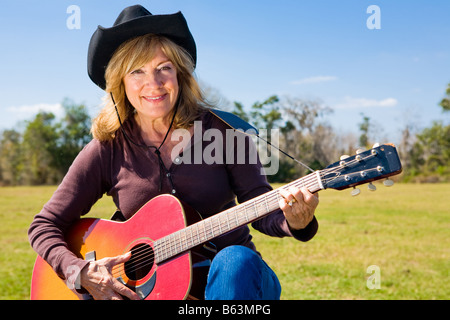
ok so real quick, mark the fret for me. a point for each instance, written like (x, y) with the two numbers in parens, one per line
(171, 250)
(198, 235)
(165, 252)
(204, 236)
(255, 207)
(260, 207)
(175, 242)
(156, 252)
(236, 216)
(158, 248)
(203, 231)
(267, 204)
(191, 237)
(166, 249)
(184, 243)
(218, 223)
(211, 226)
(170, 245)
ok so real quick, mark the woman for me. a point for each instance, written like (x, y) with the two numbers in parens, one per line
(145, 64)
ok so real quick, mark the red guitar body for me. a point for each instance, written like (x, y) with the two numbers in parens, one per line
(170, 280)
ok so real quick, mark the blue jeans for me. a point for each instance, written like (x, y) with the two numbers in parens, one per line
(239, 273)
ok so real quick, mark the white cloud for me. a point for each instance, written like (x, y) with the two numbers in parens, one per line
(353, 103)
(35, 108)
(316, 79)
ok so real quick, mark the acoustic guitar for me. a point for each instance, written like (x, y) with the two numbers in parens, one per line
(169, 260)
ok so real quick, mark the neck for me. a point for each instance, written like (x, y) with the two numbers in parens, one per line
(153, 131)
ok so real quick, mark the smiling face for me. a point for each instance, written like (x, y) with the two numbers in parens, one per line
(153, 88)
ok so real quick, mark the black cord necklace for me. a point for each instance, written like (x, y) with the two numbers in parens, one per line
(162, 167)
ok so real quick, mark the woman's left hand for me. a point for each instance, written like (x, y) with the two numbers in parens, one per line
(298, 206)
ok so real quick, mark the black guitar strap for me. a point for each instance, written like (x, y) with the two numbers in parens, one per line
(236, 123)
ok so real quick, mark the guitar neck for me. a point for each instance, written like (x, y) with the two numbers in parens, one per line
(228, 220)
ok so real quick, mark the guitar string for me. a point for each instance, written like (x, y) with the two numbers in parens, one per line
(147, 254)
(172, 244)
(265, 199)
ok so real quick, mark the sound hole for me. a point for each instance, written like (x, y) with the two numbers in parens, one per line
(140, 263)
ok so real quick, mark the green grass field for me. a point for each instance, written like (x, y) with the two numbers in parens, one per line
(403, 230)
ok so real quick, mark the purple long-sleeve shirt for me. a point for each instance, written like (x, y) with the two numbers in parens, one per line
(130, 174)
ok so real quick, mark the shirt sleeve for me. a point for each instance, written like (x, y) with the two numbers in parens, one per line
(80, 189)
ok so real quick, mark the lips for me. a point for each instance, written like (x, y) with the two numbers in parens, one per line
(154, 98)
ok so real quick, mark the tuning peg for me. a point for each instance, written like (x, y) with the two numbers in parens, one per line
(388, 182)
(360, 151)
(371, 187)
(342, 162)
(374, 152)
(355, 192)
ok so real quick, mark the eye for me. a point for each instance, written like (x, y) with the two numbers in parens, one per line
(137, 71)
(165, 67)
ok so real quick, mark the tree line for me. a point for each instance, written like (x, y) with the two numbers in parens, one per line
(425, 154)
(42, 152)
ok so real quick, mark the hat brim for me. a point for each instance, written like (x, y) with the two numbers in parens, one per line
(105, 41)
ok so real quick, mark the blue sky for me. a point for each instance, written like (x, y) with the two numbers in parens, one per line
(249, 50)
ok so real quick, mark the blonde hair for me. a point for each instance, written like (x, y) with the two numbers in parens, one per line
(132, 55)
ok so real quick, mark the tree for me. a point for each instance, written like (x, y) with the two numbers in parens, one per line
(301, 134)
(240, 112)
(74, 134)
(445, 102)
(11, 164)
(266, 114)
(312, 140)
(44, 151)
(304, 113)
(39, 145)
(434, 144)
(364, 127)
(426, 154)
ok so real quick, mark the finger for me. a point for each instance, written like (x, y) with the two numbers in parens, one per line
(311, 199)
(110, 262)
(288, 197)
(118, 259)
(110, 288)
(287, 210)
(284, 206)
(297, 193)
(121, 289)
(117, 286)
(103, 285)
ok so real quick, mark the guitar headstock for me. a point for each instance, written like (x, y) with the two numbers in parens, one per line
(380, 162)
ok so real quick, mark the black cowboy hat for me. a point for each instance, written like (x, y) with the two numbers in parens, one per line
(132, 22)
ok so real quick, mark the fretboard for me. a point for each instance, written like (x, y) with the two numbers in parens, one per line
(228, 220)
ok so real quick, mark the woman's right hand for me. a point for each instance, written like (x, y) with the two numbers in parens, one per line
(96, 278)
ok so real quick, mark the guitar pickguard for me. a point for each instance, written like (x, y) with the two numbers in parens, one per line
(144, 289)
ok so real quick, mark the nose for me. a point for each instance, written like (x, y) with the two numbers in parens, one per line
(153, 80)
